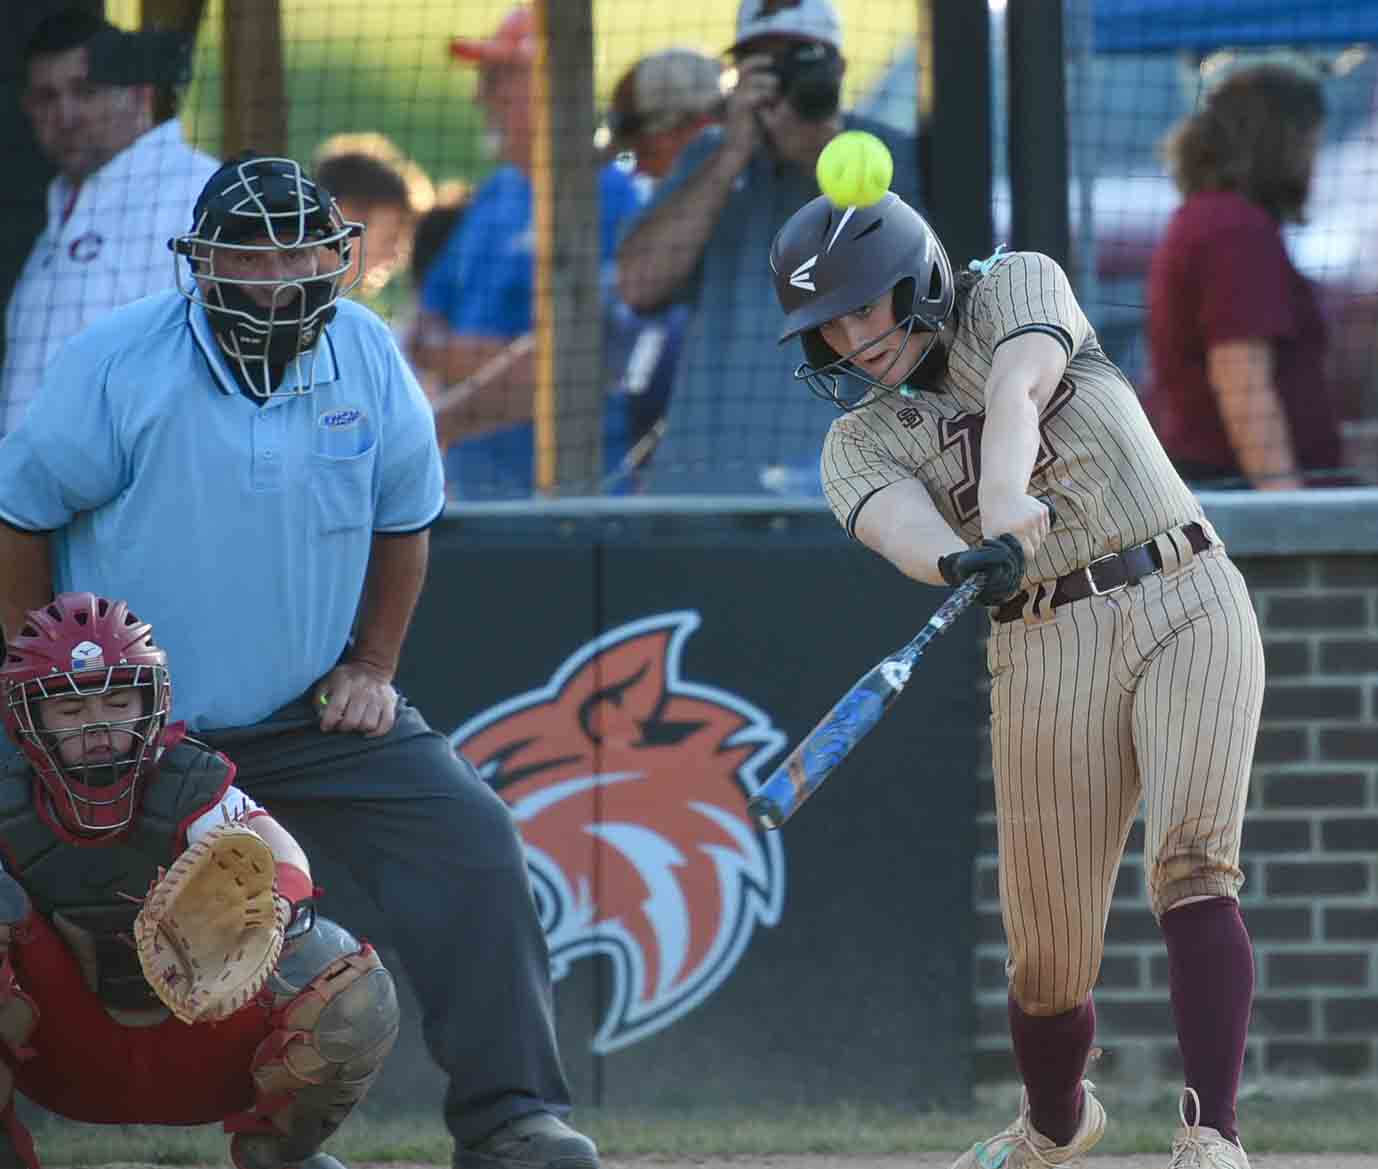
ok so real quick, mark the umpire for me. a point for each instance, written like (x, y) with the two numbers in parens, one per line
(249, 461)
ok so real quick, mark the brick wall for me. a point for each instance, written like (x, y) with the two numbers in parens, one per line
(1310, 853)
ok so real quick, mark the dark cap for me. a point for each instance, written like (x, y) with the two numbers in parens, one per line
(155, 56)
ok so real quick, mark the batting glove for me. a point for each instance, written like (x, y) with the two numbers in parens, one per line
(1001, 559)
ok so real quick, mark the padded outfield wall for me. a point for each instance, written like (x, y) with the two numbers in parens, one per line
(675, 652)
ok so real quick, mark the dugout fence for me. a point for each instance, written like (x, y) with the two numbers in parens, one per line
(1009, 104)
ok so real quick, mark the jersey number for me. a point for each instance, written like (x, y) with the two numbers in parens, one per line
(964, 433)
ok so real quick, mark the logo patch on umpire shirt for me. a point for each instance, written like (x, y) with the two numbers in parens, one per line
(337, 419)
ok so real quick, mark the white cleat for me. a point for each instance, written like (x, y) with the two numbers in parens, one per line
(1200, 1147)
(1022, 1145)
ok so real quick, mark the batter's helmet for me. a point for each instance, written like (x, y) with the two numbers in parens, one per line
(82, 646)
(829, 261)
(257, 204)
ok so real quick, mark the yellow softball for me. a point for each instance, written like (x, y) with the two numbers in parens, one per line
(855, 169)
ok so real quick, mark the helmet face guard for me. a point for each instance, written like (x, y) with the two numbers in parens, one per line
(264, 206)
(825, 380)
(97, 792)
(831, 261)
(81, 646)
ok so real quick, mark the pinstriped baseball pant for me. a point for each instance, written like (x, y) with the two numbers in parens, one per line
(1150, 693)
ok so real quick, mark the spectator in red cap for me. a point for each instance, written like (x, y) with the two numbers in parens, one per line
(478, 298)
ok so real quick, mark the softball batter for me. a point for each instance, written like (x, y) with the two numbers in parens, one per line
(1124, 653)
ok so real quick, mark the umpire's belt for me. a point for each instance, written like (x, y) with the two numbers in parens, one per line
(1109, 574)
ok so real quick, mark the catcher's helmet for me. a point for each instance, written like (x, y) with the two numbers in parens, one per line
(82, 645)
(829, 261)
(259, 204)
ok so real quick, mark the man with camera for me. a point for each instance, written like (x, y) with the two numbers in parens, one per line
(736, 422)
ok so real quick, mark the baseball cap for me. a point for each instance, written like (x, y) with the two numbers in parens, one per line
(662, 89)
(805, 20)
(513, 42)
(147, 57)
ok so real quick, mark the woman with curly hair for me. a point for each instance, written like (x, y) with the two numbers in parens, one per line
(1236, 336)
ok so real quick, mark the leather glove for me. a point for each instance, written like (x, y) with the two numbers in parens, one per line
(1001, 559)
(210, 930)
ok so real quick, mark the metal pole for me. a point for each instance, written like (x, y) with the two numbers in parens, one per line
(568, 412)
(1080, 123)
(1035, 55)
(955, 141)
(255, 102)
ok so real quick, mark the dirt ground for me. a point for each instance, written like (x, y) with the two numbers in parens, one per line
(917, 1161)
(943, 1161)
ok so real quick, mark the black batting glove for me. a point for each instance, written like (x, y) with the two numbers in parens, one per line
(1001, 559)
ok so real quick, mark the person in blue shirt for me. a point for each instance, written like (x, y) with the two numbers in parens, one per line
(478, 297)
(735, 422)
(250, 461)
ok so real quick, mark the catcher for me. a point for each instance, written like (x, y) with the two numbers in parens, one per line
(134, 994)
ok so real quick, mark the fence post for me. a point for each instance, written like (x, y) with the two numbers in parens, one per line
(955, 140)
(568, 412)
(255, 104)
(1035, 58)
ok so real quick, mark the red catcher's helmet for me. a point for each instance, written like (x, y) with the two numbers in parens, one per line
(85, 645)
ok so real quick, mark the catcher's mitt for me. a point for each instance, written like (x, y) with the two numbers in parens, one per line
(210, 930)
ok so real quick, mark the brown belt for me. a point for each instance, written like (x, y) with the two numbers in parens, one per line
(1109, 574)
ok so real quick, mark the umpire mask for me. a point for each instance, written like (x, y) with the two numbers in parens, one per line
(267, 252)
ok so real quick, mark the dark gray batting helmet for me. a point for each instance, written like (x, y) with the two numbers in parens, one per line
(829, 261)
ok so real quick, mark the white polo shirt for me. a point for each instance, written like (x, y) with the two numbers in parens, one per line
(242, 532)
(111, 249)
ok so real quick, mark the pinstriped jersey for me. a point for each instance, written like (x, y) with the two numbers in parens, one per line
(1098, 459)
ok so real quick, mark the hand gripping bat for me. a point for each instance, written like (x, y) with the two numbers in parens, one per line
(855, 714)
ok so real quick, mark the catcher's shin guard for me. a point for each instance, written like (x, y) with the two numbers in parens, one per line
(18, 1018)
(335, 1019)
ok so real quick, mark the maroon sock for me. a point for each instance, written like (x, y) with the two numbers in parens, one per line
(1211, 975)
(1050, 1052)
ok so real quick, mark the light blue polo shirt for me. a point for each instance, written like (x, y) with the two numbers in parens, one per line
(242, 532)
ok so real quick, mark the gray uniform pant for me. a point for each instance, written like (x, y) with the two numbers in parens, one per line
(439, 854)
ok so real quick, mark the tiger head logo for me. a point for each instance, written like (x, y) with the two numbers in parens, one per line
(629, 785)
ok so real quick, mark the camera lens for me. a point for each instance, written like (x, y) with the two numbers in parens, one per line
(811, 80)
(815, 98)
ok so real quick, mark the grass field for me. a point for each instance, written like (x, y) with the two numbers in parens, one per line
(1279, 1118)
(383, 64)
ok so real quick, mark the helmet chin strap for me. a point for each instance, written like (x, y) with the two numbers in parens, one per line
(934, 356)
(827, 377)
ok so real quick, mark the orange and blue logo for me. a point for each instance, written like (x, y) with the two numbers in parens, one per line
(629, 783)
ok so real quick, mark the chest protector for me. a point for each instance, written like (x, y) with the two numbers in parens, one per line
(92, 892)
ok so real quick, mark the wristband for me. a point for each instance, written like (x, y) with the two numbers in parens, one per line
(291, 883)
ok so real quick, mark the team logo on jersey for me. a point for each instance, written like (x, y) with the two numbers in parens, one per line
(802, 276)
(338, 419)
(629, 784)
(86, 247)
(87, 655)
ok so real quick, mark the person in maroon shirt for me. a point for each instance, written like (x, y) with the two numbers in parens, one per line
(1236, 337)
